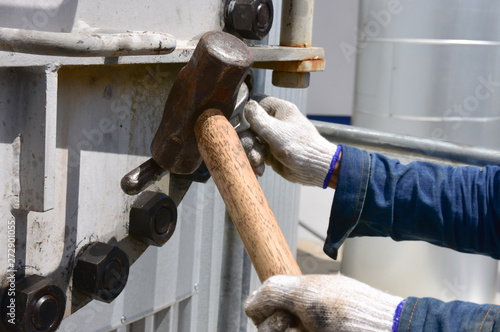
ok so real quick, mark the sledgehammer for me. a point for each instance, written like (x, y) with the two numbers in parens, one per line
(195, 126)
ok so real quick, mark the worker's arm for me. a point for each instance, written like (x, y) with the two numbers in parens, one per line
(329, 303)
(454, 207)
(375, 196)
(451, 207)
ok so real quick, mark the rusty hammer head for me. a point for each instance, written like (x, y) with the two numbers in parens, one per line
(211, 79)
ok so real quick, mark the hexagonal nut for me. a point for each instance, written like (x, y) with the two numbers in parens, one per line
(34, 304)
(153, 217)
(251, 19)
(101, 272)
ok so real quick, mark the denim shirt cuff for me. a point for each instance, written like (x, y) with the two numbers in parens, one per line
(349, 197)
(429, 314)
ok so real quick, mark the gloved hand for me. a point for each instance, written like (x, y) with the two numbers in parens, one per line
(322, 303)
(287, 141)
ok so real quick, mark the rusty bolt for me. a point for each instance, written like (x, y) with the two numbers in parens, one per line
(101, 272)
(251, 19)
(153, 217)
(38, 305)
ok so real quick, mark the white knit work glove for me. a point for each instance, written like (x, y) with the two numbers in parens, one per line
(322, 303)
(287, 141)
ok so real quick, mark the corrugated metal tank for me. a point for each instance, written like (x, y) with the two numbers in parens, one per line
(427, 68)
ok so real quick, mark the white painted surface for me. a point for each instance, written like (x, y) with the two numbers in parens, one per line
(331, 92)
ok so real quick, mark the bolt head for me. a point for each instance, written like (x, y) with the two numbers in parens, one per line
(113, 269)
(45, 312)
(162, 220)
(39, 305)
(153, 218)
(101, 272)
(263, 16)
(251, 19)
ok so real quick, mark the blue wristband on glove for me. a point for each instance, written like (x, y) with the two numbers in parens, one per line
(332, 166)
(397, 314)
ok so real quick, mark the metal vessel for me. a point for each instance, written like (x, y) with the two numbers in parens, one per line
(432, 69)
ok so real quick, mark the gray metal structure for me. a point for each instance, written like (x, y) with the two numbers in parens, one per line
(72, 126)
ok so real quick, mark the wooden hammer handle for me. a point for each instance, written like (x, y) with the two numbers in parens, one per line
(220, 147)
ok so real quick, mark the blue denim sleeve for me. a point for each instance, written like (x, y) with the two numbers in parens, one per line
(428, 314)
(454, 207)
(350, 193)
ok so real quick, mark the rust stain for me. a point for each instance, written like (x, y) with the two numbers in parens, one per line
(304, 66)
(302, 45)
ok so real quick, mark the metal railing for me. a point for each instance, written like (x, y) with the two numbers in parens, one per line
(408, 147)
